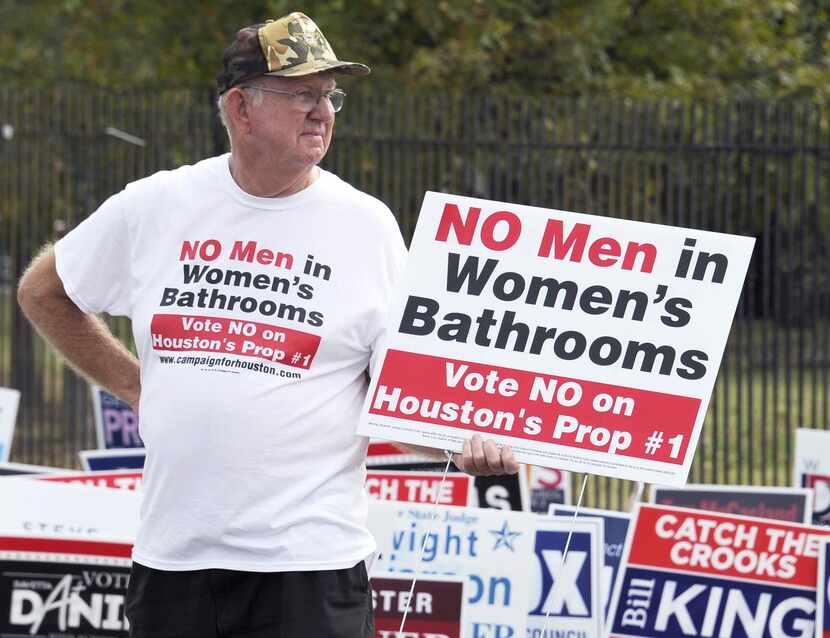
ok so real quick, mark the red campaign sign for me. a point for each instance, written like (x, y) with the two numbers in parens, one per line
(114, 480)
(419, 487)
(727, 546)
(536, 407)
(224, 336)
(385, 448)
(63, 546)
(435, 609)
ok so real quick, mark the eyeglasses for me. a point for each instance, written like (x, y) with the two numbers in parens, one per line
(306, 99)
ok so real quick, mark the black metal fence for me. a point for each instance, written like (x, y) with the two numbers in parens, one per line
(753, 168)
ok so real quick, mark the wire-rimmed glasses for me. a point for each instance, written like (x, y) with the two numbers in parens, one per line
(308, 99)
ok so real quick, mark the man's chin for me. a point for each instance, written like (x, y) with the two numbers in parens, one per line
(317, 151)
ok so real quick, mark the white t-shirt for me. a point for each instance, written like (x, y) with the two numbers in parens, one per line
(255, 320)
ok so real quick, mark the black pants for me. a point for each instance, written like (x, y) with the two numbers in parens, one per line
(220, 603)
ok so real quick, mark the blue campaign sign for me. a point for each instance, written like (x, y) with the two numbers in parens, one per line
(512, 563)
(490, 548)
(615, 528)
(116, 424)
(103, 460)
(566, 581)
(661, 604)
(823, 609)
(691, 572)
(566, 596)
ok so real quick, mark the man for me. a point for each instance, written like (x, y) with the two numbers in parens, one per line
(257, 285)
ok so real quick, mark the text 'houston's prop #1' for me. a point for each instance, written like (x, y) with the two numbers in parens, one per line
(586, 343)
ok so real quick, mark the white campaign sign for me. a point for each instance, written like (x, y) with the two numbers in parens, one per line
(586, 343)
(43, 509)
(812, 454)
(9, 400)
(811, 469)
(512, 561)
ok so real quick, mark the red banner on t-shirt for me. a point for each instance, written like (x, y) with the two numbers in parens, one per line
(224, 336)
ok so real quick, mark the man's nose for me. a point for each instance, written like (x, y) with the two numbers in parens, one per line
(323, 110)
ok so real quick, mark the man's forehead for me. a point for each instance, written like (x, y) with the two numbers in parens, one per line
(312, 81)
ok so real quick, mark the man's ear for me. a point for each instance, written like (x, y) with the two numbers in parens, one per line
(238, 109)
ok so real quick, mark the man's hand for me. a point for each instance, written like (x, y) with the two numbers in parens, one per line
(485, 458)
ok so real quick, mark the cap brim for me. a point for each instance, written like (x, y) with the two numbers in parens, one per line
(318, 66)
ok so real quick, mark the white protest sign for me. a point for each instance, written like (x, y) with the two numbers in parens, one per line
(586, 343)
(9, 401)
(512, 562)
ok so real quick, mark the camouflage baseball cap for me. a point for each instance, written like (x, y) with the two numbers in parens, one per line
(288, 47)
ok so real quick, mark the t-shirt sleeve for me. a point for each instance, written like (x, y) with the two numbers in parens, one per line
(395, 262)
(93, 260)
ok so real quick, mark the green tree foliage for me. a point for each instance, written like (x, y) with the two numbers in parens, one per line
(638, 48)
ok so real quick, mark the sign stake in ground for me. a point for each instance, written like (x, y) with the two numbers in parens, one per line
(568, 543)
(424, 543)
